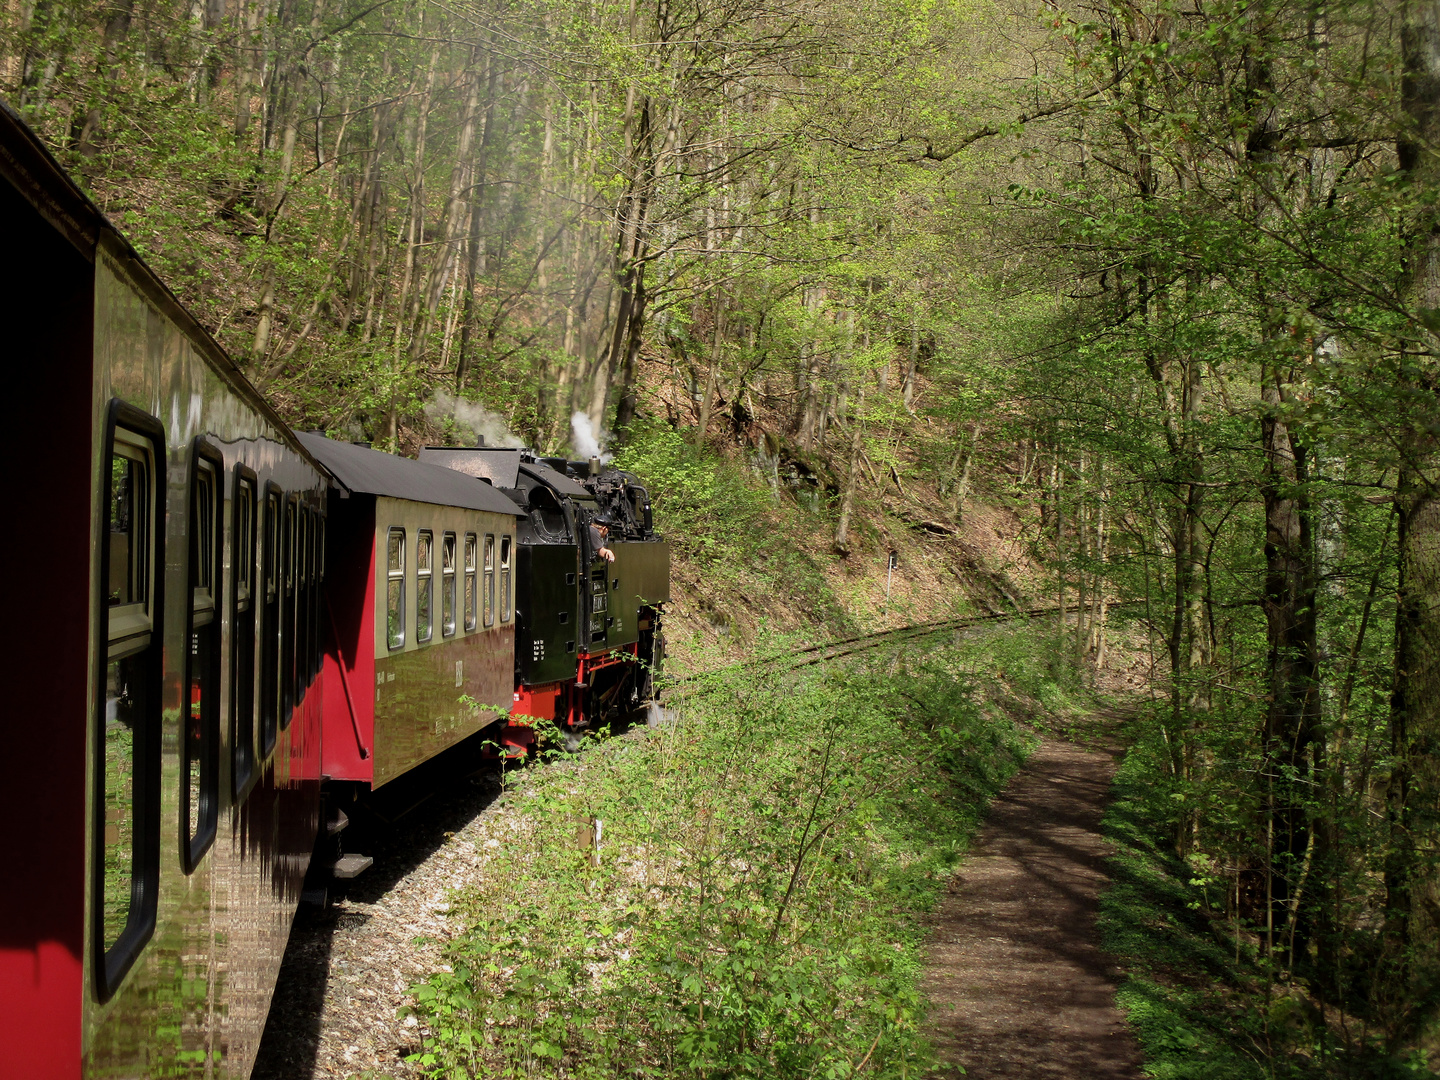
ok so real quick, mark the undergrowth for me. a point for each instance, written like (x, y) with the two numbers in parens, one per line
(734, 894)
(1199, 1002)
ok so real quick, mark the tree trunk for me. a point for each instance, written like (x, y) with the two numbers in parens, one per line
(475, 241)
(1414, 724)
(912, 362)
(807, 418)
(707, 400)
(1099, 622)
(852, 474)
(261, 345)
(1082, 571)
(1415, 702)
(625, 407)
(406, 313)
(962, 485)
(1057, 480)
(247, 26)
(454, 217)
(1292, 716)
(85, 128)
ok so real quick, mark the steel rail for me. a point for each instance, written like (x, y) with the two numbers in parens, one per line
(816, 654)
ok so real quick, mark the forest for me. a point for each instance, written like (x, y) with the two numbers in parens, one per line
(1165, 271)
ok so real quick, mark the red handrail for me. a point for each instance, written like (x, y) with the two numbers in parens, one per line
(345, 681)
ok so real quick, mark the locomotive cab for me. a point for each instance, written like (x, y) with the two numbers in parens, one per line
(587, 630)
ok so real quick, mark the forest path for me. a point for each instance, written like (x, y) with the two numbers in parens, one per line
(1014, 968)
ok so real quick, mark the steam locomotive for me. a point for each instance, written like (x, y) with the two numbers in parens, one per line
(237, 619)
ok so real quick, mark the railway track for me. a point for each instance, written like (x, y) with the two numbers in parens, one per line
(833, 650)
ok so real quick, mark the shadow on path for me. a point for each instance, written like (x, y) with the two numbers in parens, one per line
(1015, 973)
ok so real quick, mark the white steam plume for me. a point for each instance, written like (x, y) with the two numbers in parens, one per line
(471, 420)
(583, 438)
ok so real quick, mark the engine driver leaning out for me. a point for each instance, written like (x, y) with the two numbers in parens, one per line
(598, 536)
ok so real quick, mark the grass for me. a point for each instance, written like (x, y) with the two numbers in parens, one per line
(1150, 923)
(737, 894)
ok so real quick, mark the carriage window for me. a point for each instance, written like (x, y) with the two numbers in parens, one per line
(317, 574)
(291, 529)
(469, 581)
(126, 851)
(289, 539)
(487, 593)
(270, 626)
(199, 794)
(242, 621)
(447, 584)
(302, 602)
(127, 593)
(424, 587)
(272, 545)
(129, 491)
(505, 579)
(395, 589)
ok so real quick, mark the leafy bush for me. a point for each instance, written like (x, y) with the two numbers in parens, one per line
(1149, 923)
(712, 505)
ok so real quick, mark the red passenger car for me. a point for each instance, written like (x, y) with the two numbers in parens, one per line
(161, 718)
(420, 610)
(207, 616)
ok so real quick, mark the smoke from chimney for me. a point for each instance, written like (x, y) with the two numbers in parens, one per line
(474, 424)
(584, 440)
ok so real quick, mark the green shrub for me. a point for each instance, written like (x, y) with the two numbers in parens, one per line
(1201, 1003)
(712, 506)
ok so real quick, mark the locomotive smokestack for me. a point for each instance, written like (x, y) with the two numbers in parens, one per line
(594, 466)
(479, 440)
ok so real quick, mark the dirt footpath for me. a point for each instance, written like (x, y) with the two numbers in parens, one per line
(1020, 986)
